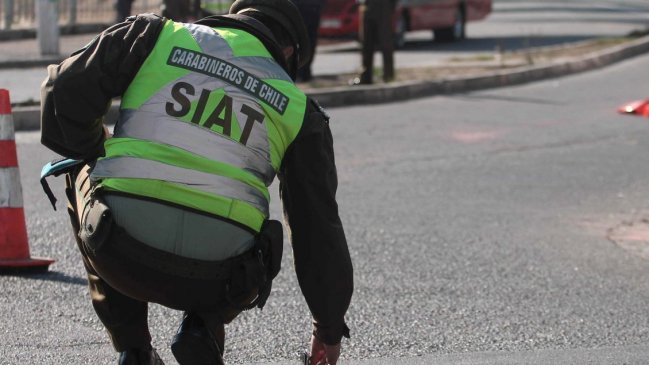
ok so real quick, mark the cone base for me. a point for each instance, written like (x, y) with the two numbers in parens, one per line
(29, 265)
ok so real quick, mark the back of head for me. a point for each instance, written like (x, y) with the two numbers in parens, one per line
(284, 20)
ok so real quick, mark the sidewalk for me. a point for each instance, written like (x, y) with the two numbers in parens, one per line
(22, 69)
(24, 53)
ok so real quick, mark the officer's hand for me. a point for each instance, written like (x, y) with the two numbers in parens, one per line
(323, 354)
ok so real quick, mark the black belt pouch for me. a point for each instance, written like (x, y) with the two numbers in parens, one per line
(96, 225)
(269, 248)
(271, 240)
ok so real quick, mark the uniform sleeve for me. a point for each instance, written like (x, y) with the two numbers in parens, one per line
(308, 183)
(77, 93)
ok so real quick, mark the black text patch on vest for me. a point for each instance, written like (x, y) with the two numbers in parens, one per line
(230, 73)
(221, 115)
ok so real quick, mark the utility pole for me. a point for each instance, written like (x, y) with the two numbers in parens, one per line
(48, 27)
(9, 13)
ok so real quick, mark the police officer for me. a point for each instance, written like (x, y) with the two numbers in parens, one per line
(310, 10)
(123, 9)
(179, 10)
(376, 28)
(174, 207)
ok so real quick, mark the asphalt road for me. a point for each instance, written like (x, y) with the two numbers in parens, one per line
(478, 224)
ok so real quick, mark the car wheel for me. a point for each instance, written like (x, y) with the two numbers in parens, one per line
(455, 32)
(400, 28)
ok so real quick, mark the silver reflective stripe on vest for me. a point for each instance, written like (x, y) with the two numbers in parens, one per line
(261, 67)
(147, 123)
(137, 168)
(195, 139)
(256, 150)
(209, 40)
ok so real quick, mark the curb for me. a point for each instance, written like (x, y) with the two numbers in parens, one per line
(30, 63)
(372, 94)
(28, 118)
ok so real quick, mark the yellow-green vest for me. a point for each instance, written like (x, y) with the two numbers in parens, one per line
(204, 124)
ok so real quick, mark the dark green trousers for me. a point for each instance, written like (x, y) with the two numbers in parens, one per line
(122, 283)
(376, 32)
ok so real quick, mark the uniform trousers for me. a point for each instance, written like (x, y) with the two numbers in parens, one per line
(310, 10)
(124, 275)
(376, 29)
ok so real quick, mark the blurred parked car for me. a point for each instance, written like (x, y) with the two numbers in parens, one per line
(446, 18)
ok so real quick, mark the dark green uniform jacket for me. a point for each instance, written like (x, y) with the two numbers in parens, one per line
(77, 93)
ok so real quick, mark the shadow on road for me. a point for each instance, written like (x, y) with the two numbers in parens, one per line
(484, 96)
(50, 276)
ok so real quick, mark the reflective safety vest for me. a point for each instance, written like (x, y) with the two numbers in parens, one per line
(204, 124)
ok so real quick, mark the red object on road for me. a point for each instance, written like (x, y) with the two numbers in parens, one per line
(14, 247)
(639, 107)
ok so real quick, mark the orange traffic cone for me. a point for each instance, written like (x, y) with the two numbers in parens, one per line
(14, 249)
(639, 107)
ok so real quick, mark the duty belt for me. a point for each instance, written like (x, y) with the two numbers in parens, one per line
(170, 263)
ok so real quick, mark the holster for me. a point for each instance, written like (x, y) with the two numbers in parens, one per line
(258, 273)
(96, 224)
(90, 216)
(271, 243)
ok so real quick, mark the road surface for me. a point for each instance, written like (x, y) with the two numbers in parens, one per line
(480, 226)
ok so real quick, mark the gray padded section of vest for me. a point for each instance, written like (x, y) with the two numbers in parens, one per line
(195, 139)
(205, 37)
(257, 144)
(262, 67)
(178, 230)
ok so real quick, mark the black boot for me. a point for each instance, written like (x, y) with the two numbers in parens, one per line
(140, 357)
(194, 344)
